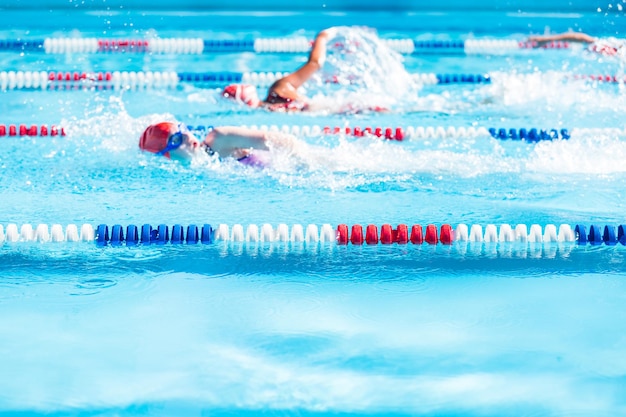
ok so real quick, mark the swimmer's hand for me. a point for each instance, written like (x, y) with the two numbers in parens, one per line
(329, 33)
(318, 54)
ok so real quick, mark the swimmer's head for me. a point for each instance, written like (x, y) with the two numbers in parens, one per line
(243, 92)
(171, 140)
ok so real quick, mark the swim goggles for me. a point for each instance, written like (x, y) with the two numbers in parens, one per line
(206, 147)
(175, 140)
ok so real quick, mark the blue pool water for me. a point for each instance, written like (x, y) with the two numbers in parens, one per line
(287, 329)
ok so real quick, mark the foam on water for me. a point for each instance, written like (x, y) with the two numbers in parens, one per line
(600, 154)
(337, 161)
(553, 90)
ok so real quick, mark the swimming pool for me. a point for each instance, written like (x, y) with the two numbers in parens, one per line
(315, 328)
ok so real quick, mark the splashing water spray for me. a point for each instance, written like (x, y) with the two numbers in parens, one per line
(366, 69)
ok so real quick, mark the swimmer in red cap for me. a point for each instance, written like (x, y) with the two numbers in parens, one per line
(248, 146)
(604, 46)
(283, 94)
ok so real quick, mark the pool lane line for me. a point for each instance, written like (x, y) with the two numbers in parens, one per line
(133, 80)
(146, 80)
(298, 44)
(340, 234)
(398, 133)
(533, 134)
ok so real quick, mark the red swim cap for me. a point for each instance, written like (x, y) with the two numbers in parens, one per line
(242, 92)
(154, 138)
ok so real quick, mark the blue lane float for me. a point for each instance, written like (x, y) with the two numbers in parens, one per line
(147, 235)
(213, 78)
(16, 45)
(225, 46)
(458, 45)
(463, 79)
(531, 135)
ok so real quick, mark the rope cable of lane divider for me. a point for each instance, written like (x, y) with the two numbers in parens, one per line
(428, 132)
(140, 80)
(297, 44)
(116, 80)
(341, 234)
(437, 132)
(389, 133)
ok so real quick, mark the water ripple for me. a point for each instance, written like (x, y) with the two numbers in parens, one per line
(93, 286)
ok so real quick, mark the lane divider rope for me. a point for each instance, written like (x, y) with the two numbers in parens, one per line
(297, 44)
(390, 133)
(341, 234)
(436, 132)
(138, 80)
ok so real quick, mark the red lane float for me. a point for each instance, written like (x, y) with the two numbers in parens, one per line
(79, 76)
(342, 234)
(402, 234)
(431, 234)
(33, 130)
(447, 234)
(545, 45)
(124, 45)
(388, 235)
(387, 132)
(356, 237)
(417, 238)
(371, 234)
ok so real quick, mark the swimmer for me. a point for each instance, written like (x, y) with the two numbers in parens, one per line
(248, 146)
(604, 46)
(283, 94)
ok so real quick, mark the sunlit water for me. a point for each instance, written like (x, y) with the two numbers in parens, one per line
(246, 329)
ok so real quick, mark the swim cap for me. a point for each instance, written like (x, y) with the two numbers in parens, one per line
(154, 138)
(242, 92)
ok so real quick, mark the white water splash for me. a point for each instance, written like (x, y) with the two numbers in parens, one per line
(554, 90)
(599, 155)
(110, 125)
(367, 71)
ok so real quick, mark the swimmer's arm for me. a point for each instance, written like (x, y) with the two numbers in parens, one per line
(287, 86)
(569, 36)
(226, 139)
(229, 140)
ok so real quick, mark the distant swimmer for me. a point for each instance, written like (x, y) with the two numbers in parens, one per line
(283, 94)
(248, 146)
(605, 46)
